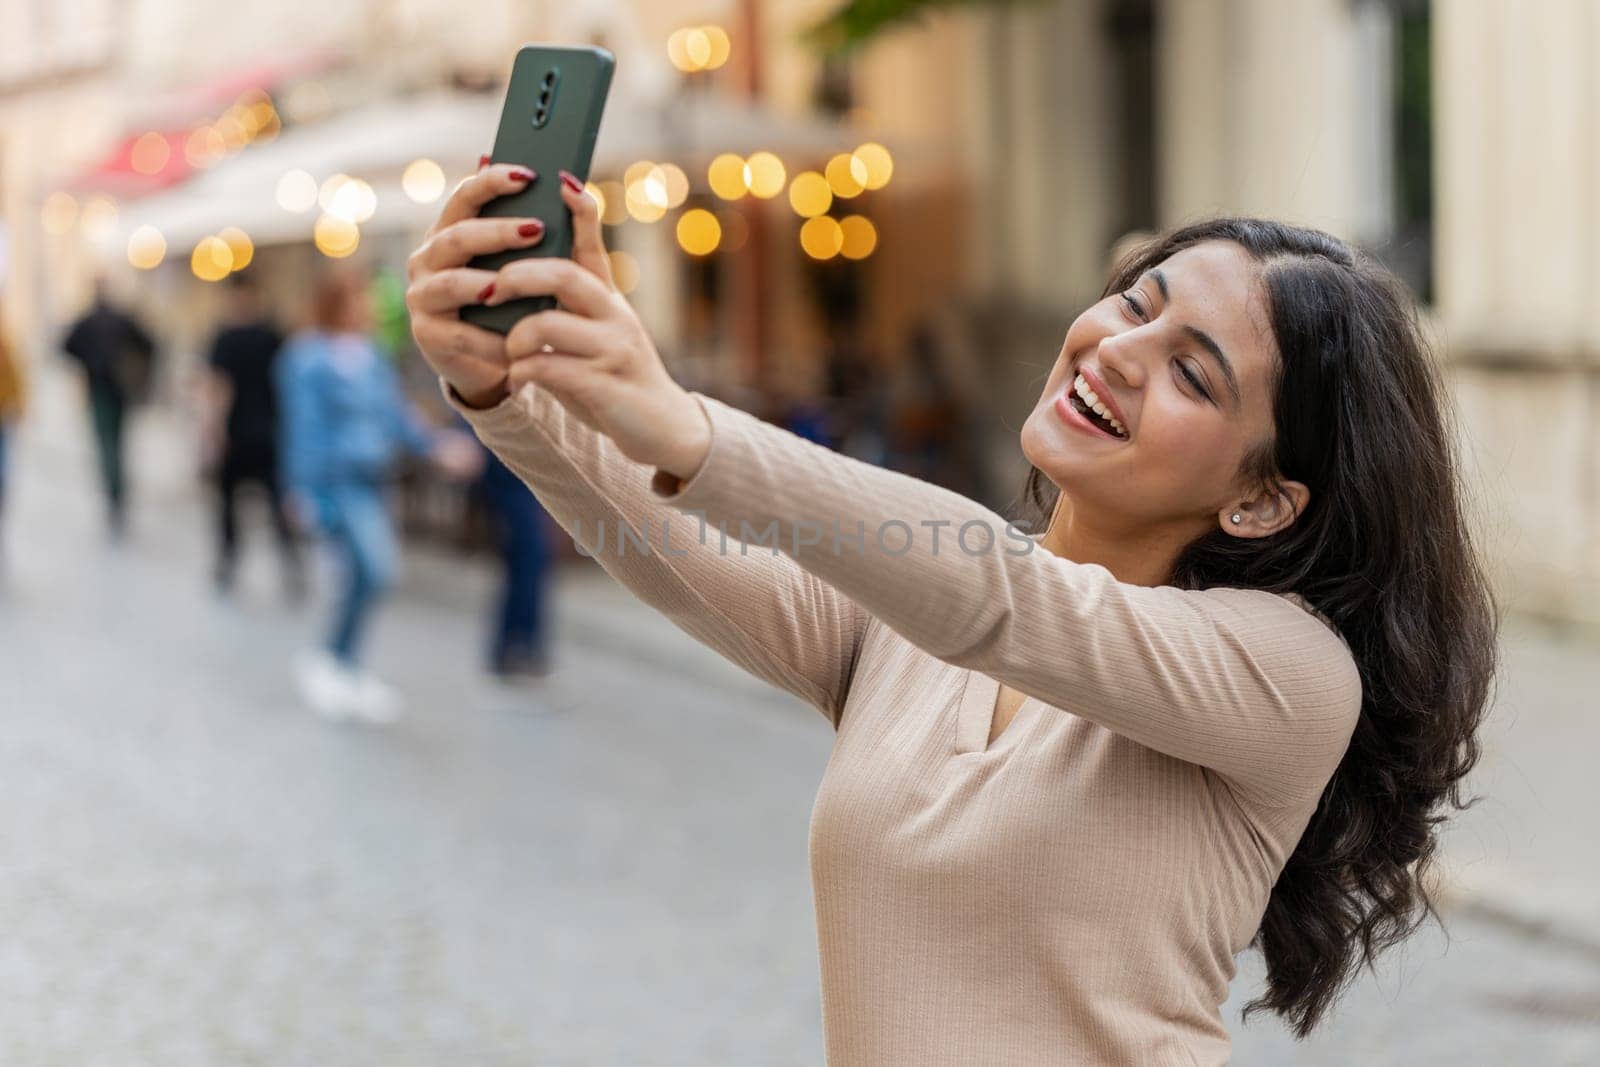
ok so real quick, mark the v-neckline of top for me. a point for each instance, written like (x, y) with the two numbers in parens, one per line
(975, 717)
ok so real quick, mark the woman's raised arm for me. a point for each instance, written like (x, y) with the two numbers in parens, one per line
(765, 613)
(1241, 681)
(760, 610)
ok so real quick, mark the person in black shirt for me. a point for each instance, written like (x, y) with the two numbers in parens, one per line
(116, 354)
(245, 415)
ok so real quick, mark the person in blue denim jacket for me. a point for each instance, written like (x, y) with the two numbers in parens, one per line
(346, 421)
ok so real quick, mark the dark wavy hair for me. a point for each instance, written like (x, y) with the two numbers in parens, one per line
(1362, 417)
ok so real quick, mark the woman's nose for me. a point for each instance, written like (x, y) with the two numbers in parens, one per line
(1120, 358)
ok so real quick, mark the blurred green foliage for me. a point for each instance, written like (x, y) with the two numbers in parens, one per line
(857, 21)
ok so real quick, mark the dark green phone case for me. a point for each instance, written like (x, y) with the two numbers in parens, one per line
(549, 123)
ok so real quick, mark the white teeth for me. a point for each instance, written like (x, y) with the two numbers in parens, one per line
(1081, 386)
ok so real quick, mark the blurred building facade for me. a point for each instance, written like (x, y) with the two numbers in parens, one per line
(1456, 140)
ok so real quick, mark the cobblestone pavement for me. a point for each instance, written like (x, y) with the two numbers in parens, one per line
(610, 869)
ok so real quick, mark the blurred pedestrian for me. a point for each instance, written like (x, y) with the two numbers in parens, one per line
(12, 398)
(117, 355)
(345, 422)
(242, 419)
(519, 648)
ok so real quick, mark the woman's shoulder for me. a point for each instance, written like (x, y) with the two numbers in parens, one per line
(1288, 609)
(1288, 623)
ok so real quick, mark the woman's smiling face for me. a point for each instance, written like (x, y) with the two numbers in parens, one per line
(1183, 361)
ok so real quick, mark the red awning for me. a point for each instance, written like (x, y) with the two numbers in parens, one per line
(115, 173)
(182, 111)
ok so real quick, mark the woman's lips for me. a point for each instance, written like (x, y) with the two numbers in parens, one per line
(1072, 417)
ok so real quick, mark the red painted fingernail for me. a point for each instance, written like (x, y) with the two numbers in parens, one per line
(531, 229)
(523, 174)
(483, 161)
(488, 291)
(571, 182)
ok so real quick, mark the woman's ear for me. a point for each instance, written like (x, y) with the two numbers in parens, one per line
(1275, 508)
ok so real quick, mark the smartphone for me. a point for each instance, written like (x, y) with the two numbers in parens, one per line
(548, 123)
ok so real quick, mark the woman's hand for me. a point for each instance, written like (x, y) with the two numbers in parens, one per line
(470, 358)
(592, 353)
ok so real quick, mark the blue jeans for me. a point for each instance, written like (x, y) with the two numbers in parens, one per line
(525, 550)
(358, 524)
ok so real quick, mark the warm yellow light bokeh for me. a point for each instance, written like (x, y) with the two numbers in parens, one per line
(693, 48)
(297, 191)
(203, 147)
(423, 181)
(698, 232)
(721, 46)
(809, 194)
(151, 152)
(330, 188)
(764, 175)
(99, 217)
(860, 237)
(878, 163)
(60, 211)
(240, 245)
(637, 172)
(847, 175)
(262, 118)
(640, 203)
(655, 190)
(675, 181)
(624, 271)
(821, 237)
(211, 259)
(726, 175)
(698, 47)
(234, 135)
(335, 237)
(146, 248)
(678, 49)
(353, 200)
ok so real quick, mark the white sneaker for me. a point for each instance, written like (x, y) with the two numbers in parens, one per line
(327, 686)
(375, 701)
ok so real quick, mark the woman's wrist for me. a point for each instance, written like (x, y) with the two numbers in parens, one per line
(482, 399)
(691, 442)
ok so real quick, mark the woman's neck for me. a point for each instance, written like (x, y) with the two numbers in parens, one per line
(1142, 557)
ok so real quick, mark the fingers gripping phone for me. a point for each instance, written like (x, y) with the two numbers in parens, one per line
(549, 123)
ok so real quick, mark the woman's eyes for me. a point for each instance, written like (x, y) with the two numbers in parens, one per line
(1134, 306)
(1183, 368)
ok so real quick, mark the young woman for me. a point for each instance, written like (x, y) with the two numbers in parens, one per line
(1221, 693)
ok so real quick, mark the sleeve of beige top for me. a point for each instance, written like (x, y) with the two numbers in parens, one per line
(1240, 681)
(759, 610)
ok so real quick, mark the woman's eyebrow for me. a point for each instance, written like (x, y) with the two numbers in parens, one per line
(1202, 338)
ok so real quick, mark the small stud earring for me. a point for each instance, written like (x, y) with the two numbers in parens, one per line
(1236, 519)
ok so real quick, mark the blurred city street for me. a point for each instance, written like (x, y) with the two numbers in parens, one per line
(609, 868)
(881, 226)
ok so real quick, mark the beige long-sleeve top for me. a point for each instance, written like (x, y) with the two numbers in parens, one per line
(1074, 893)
